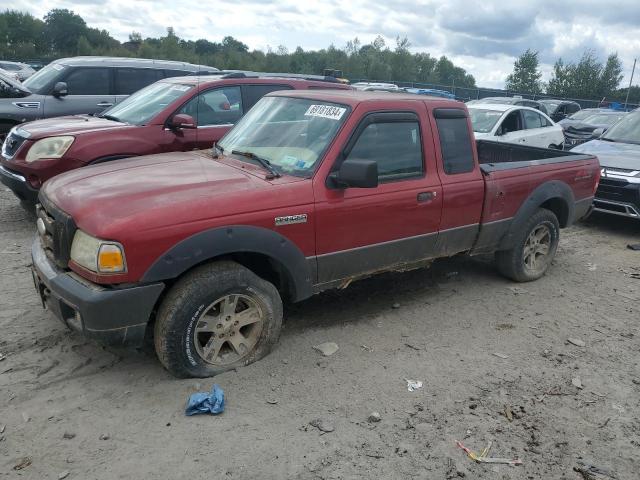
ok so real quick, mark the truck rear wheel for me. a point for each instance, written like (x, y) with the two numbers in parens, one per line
(216, 318)
(534, 249)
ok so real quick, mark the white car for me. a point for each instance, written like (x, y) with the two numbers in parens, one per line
(515, 124)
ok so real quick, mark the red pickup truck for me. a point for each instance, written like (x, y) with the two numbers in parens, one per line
(309, 191)
(174, 114)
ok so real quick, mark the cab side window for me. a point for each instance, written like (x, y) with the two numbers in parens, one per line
(219, 106)
(455, 141)
(253, 93)
(88, 81)
(129, 80)
(395, 146)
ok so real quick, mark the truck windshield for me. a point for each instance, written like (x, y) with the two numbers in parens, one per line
(603, 119)
(482, 120)
(145, 104)
(40, 81)
(291, 133)
(626, 130)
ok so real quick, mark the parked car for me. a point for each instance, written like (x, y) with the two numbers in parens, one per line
(86, 85)
(580, 131)
(376, 87)
(22, 71)
(174, 114)
(10, 87)
(523, 102)
(432, 92)
(514, 124)
(311, 190)
(559, 109)
(619, 152)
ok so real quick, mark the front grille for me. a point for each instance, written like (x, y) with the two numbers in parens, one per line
(11, 145)
(59, 229)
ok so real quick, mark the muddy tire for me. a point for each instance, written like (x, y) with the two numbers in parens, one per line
(534, 250)
(216, 318)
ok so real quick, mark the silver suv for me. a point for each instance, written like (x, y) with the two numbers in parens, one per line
(21, 71)
(88, 85)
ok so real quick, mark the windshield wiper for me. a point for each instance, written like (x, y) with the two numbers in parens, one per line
(110, 117)
(217, 150)
(262, 161)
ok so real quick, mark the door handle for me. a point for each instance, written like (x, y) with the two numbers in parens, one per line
(104, 104)
(425, 197)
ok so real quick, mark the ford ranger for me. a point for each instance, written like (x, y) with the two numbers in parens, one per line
(309, 191)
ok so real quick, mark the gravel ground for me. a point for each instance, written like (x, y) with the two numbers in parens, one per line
(443, 326)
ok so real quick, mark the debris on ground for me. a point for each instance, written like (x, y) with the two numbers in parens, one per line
(63, 475)
(104, 436)
(2, 356)
(577, 342)
(68, 435)
(327, 348)
(374, 417)
(2, 427)
(482, 457)
(203, 402)
(592, 267)
(413, 385)
(634, 246)
(395, 306)
(589, 471)
(508, 413)
(518, 290)
(25, 417)
(272, 401)
(500, 355)
(321, 425)
(576, 382)
(22, 463)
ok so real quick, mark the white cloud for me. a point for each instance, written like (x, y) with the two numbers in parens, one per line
(482, 37)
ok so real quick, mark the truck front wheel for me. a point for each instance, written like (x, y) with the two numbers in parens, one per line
(216, 318)
(534, 248)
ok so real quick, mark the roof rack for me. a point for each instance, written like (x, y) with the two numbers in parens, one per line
(298, 76)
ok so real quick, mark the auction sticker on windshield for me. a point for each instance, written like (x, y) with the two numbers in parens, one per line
(325, 111)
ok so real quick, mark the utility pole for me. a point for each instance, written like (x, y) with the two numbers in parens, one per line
(631, 80)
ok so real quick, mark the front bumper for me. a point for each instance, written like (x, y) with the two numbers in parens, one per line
(114, 316)
(618, 197)
(19, 185)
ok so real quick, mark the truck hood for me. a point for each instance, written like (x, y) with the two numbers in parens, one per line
(70, 125)
(612, 154)
(184, 185)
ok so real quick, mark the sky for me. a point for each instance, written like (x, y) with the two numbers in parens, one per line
(482, 37)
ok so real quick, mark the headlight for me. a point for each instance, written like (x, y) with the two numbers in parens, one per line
(100, 256)
(54, 147)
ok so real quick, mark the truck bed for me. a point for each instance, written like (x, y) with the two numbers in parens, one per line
(501, 156)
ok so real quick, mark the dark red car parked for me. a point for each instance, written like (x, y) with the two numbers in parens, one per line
(309, 191)
(174, 114)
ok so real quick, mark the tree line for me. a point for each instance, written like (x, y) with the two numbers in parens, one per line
(62, 33)
(589, 78)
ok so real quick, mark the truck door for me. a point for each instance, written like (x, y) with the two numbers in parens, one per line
(462, 182)
(363, 230)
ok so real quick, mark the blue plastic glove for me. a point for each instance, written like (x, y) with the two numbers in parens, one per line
(202, 402)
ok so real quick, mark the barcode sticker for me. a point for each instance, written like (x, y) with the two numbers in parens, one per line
(325, 111)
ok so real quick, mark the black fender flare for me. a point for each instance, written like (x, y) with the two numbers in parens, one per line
(109, 158)
(551, 190)
(234, 239)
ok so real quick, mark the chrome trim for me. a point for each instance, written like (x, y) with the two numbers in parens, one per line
(15, 176)
(631, 177)
(214, 126)
(630, 210)
(26, 104)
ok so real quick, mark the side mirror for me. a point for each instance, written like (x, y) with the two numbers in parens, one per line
(597, 133)
(182, 121)
(356, 173)
(60, 89)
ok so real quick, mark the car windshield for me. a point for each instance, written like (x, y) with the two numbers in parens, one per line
(145, 104)
(483, 121)
(39, 81)
(626, 130)
(291, 133)
(603, 119)
(550, 105)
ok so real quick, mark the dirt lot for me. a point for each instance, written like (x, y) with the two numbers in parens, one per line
(441, 326)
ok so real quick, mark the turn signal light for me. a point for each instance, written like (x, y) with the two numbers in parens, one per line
(110, 259)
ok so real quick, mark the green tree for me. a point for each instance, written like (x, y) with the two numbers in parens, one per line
(526, 76)
(63, 29)
(588, 78)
